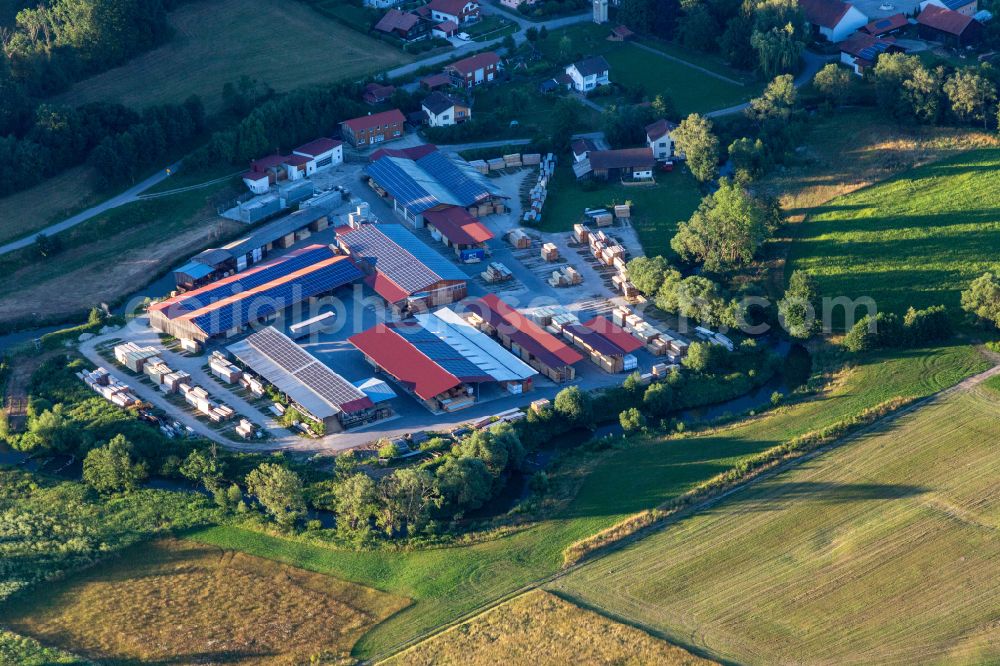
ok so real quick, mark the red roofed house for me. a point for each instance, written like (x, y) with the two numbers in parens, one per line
(299, 166)
(402, 25)
(374, 129)
(459, 230)
(264, 172)
(458, 12)
(887, 26)
(474, 70)
(435, 81)
(860, 52)
(376, 93)
(659, 140)
(258, 182)
(445, 30)
(620, 33)
(537, 347)
(832, 19)
(944, 25)
(325, 152)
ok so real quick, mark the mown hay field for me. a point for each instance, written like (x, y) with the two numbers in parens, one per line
(178, 602)
(540, 628)
(885, 550)
(446, 583)
(916, 239)
(285, 45)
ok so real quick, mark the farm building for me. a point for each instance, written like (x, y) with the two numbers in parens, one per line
(966, 7)
(832, 19)
(404, 271)
(534, 345)
(442, 359)
(860, 51)
(226, 306)
(589, 73)
(374, 129)
(422, 178)
(401, 25)
(950, 27)
(323, 151)
(459, 12)
(624, 164)
(889, 25)
(474, 70)
(582, 148)
(459, 230)
(659, 140)
(315, 390)
(442, 110)
(606, 344)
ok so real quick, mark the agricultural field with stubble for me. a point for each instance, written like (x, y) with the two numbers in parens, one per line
(894, 534)
(540, 628)
(916, 239)
(174, 601)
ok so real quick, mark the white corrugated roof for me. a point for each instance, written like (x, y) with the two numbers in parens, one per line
(484, 352)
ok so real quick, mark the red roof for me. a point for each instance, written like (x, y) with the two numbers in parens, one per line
(887, 24)
(254, 176)
(317, 147)
(944, 20)
(469, 65)
(397, 20)
(825, 13)
(622, 31)
(458, 226)
(857, 44)
(394, 354)
(447, 27)
(435, 81)
(265, 163)
(615, 333)
(297, 160)
(541, 344)
(659, 129)
(453, 7)
(375, 120)
(377, 91)
(386, 288)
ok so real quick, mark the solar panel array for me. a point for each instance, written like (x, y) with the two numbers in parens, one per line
(403, 187)
(304, 367)
(873, 51)
(440, 352)
(467, 188)
(429, 181)
(393, 251)
(268, 301)
(249, 280)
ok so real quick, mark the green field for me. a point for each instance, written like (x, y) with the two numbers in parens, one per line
(656, 209)
(882, 551)
(691, 89)
(448, 582)
(217, 41)
(916, 239)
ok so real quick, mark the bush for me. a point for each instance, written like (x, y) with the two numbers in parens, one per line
(632, 420)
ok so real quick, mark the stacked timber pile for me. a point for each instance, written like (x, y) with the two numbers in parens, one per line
(519, 239)
(497, 272)
(550, 252)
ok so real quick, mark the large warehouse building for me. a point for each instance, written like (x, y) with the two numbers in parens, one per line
(402, 269)
(314, 389)
(442, 359)
(226, 306)
(536, 346)
(423, 178)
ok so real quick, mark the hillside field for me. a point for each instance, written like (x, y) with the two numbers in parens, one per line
(916, 239)
(893, 534)
(283, 44)
(178, 602)
(540, 628)
(446, 583)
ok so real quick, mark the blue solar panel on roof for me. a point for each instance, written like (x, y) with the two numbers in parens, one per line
(425, 254)
(430, 181)
(883, 23)
(439, 351)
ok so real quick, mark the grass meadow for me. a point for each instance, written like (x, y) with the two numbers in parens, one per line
(285, 45)
(892, 534)
(180, 602)
(916, 239)
(447, 583)
(540, 628)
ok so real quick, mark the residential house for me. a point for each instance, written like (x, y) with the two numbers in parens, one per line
(966, 7)
(581, 149)
(402, 25)
(323, 151)
(620, 33)
(889, 25)
(860, 52)
(443, 110)
(374, 129)
(376, 93)
(948, 26)
(659, 140)
(588, 74)
(832, 19)
(459, 12)
(474, 70)
(624, 164)
(435, 81)
(445, 30)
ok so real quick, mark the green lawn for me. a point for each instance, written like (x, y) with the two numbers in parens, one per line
(533, 115)
(691, 89)
(882, 551)
(656, 209)
(447, 582)
(916, 239)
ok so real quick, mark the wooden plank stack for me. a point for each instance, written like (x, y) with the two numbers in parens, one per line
(519, 239)
(550, 252)
(497, 272)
